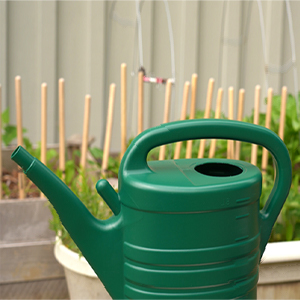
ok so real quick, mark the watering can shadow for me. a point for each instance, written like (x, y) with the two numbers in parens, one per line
(182, 229)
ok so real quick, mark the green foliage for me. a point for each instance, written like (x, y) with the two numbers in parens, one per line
(82, 183)
(9, 132)
(6, 191)
(83, 187)
(287, 227)
(78, 181)
(113, 162)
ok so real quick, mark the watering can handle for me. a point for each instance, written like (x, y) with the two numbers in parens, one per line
(135, 157)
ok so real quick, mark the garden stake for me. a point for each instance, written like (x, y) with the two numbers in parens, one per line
(239, 118)
(282, 112)
(21, 178)
(85, 133)
(0, 142)
(189, 144)
(256, 122)
(43, 126)
(230, 143)
(62, 146)
(264, 160)
(210, 90)
(112, 91)
(182, 229)
(162, 149)
(213, 142)
(140, 101)
(185, 100)
(123, 109)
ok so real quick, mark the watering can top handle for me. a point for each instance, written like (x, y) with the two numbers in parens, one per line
(135, 157)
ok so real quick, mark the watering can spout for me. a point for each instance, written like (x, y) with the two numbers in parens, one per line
(100, 241)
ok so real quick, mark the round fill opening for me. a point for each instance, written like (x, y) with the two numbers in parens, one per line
(218, 169)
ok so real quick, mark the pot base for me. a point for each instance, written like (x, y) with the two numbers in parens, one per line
(84, 287)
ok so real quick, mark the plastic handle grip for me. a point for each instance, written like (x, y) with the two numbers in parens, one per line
(136, 155)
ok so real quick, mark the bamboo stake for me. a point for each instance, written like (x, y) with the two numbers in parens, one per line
(123, 109)
(189, 145)
(109, 122)
(21, 178)
(62, 147)
(282, 112)
(183, 115)
(230, 143)
(240, 118)
(85, 134)
(162, 150)
(212, 148)
(255, 121)
(210, 89)
(44, 127)
(265, 153)
(140, 101)
(0, 142)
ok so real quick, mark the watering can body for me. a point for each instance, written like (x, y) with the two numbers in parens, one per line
(183, 229)
(194, 231)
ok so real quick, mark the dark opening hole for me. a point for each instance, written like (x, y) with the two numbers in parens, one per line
(218, 169)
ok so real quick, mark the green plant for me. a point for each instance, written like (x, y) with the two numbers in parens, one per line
(113, 162)
(83, 187)
(287, 227)
(81, 183)
(9, 132)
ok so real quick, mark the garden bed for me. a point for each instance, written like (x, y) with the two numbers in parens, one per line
(29, 269)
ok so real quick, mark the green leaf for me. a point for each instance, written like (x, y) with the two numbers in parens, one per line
(70, 171)
(289, 231)
(51, 154)
(297, 231)
(10, 133)
(27, 144)
(96, 153)
(297, 159)
(76, 153)
(277, 233)
(5, 117)
(296, 124)
(6, 190)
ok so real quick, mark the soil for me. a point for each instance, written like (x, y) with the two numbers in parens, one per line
(10, 188)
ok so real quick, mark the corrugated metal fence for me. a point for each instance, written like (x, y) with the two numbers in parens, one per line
(85, 42)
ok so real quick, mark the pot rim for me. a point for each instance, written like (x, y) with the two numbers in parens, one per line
(281, 252)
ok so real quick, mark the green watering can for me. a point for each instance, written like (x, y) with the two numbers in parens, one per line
(182, 229)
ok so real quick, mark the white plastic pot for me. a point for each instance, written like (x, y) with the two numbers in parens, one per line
(279, 272)
(82, 281)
